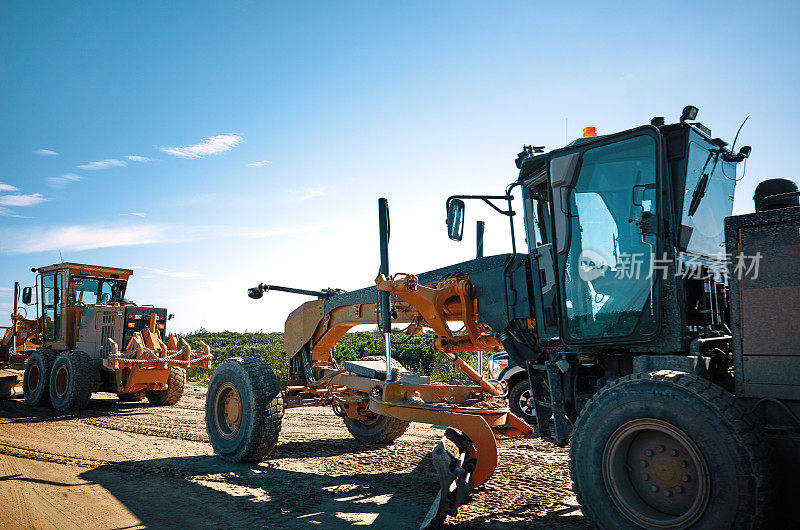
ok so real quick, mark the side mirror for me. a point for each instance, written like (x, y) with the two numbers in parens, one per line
(455, 219)
(26, 296)
(170, 316)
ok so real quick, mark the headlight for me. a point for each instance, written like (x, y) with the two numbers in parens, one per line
(496, 366)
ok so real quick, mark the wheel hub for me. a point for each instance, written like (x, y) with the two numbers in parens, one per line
(655, 474)
(526, 403)
(34, 377)
(228, 410)
(62, 381)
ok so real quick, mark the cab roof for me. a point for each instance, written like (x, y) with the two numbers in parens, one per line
(84, 269)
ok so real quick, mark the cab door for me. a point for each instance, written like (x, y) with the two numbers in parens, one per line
(605, 210)
(51, 306)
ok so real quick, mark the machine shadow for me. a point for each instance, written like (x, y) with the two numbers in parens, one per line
(206, 492)
(221, 494)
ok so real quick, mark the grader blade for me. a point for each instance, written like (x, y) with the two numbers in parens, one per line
(450, 462)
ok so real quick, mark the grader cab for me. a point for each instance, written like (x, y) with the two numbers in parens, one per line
(67, 336)
(652, 344)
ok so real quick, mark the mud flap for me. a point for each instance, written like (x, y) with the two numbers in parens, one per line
(450, 461)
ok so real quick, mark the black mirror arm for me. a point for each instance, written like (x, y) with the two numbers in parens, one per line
(487, 199)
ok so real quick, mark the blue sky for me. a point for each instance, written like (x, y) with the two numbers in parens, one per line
(214, 145)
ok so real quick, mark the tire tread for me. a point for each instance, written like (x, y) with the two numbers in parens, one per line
(743, 424)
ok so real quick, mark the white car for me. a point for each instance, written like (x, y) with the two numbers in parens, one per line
(501, 368)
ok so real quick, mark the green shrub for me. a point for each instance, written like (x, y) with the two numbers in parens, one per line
(415, 353)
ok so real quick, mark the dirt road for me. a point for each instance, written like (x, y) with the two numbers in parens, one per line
(129, 465)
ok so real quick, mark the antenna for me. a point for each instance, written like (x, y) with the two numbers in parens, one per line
(737, 132)
(60, 256)
(566, 129)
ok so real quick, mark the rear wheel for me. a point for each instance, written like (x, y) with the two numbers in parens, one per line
(669, 450)
(71, 381)
(36, 380)
(244, 409)
(174, 391)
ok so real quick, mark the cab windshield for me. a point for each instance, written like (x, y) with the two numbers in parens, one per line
(85, 291)
(702, 233)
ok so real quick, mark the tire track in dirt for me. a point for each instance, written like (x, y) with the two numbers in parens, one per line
(150, 428)
(248, 515)
(20, 509)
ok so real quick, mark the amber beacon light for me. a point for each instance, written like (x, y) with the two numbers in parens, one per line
(589, 132)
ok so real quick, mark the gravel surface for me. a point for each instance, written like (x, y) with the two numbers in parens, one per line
(131, 465)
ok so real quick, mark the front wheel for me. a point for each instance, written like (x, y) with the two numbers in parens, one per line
(669, 450)
(244, 409)
(376, 429)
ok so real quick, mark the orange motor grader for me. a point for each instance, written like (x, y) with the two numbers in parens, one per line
(376, 398)
(70, 346)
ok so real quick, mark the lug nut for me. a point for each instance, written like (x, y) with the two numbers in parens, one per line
(680, 489)
(667, 493)
(686, 478)
(642, 463)
(661, 448)
(654, 488)
(645, 477)
(648, 452)
(684, 463)
(674, 452)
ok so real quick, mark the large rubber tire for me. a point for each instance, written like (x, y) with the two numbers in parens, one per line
(378, 430)
(517, 401)
(174, 391)
(722, 466)
(132, 397)
(71, 381)
(244, 409)
(36, 379)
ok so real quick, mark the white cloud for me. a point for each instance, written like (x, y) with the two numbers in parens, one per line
(62, 180)
(137, 158)
(103, 164)
(260, 163)
(22, 199)
(169, 273)
(86, 237)
(8, 187)
(135, 214)
(308, 193)
(45, 152)
(213, 145)
(5, 212)
(80, 237)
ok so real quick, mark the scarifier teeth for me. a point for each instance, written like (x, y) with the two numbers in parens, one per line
(448, 460)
